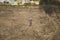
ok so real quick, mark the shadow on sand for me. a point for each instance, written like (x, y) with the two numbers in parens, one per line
(48, 9)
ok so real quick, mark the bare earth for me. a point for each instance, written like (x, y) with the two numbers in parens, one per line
(28, 24)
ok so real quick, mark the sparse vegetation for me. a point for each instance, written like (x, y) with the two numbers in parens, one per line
(50, 6)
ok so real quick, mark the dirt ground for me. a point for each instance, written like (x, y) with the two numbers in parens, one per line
(28, 24)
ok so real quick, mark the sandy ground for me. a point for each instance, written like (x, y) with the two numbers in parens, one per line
(28, 24)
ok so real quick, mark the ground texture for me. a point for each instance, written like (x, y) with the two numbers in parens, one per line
(28, 24)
